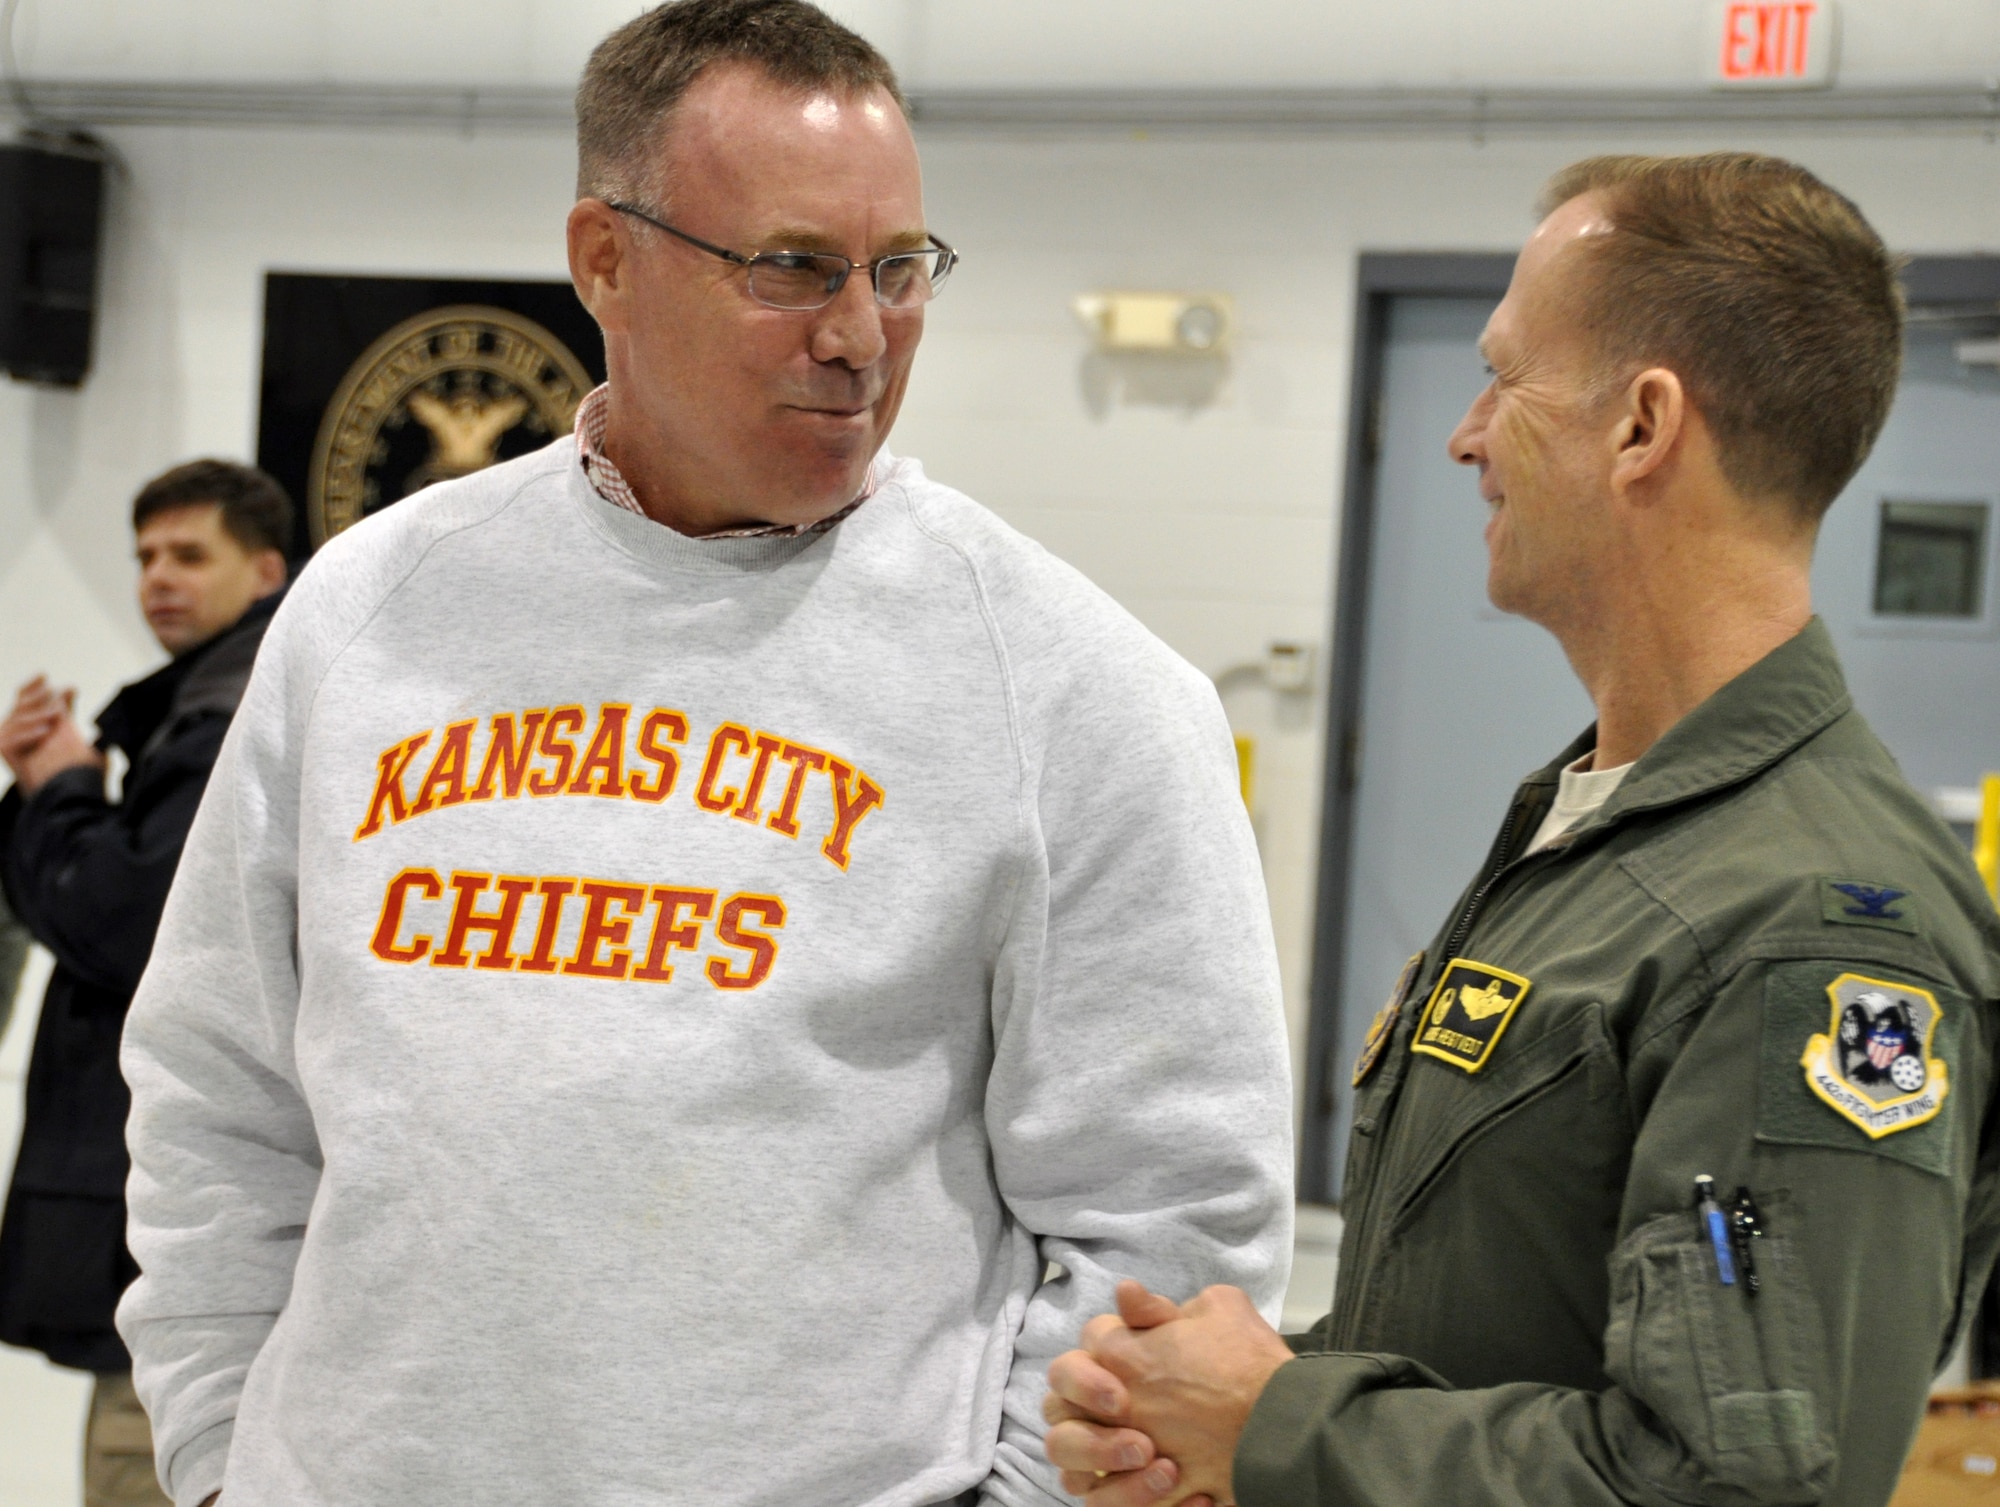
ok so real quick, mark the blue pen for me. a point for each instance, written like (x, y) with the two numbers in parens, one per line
(1717, 1225)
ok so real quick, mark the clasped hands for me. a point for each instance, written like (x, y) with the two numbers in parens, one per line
(40, 739)
(1149, 1411)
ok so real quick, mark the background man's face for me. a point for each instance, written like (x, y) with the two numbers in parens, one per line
(195, 579)
(1537, 434)
(781, 409)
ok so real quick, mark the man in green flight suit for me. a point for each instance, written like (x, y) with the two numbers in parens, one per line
(1673, 1175)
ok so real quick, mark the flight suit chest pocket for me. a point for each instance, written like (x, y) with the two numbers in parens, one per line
(1730, 1374)
(1446, 1113)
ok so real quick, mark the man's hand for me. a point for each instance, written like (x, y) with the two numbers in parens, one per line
(40, 738)
(37, 709)
(1150, 1410)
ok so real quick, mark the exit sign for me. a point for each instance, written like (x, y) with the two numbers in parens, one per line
(1771, 44)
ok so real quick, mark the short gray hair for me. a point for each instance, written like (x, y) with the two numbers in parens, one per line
(1765, 291)
(638, 74)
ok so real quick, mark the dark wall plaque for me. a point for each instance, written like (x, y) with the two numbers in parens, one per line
(374, 387)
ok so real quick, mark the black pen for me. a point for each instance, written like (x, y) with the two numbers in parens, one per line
(1746, 1225)
(1717, 1226)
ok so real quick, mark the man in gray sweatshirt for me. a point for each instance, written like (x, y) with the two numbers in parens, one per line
(706, 955)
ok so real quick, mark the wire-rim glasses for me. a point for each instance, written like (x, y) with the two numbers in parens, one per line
(813, 279)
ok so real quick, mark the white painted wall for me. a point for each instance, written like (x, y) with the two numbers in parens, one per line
(973, 44)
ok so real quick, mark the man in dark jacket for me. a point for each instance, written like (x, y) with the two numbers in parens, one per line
(88, 875)
(13, 958)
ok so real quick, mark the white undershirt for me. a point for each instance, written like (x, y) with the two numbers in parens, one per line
(1580, 794)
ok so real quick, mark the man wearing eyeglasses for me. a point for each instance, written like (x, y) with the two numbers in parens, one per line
(706, 955)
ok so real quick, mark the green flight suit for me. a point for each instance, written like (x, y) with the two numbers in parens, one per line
(1529, 1311)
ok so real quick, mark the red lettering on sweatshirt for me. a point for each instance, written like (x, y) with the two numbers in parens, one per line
(507, 755)
(564, 751)
(854, 796)
(731, 932)
(388, 799)
(670, 931)
(553, 892)
(390, 922)
(707, 795)
(803, 761)
(498, 924)
(602, 771)
(659, 723)
(626, 930)
(603, 927)
(445, 784)
(760, 769)
(562, 720)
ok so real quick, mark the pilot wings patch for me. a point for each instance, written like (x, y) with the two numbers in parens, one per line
(1468, 1010)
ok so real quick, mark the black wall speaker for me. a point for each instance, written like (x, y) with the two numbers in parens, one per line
(51, 209)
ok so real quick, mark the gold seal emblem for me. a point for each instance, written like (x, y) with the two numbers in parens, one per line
(436, 398)
(1873, 1067)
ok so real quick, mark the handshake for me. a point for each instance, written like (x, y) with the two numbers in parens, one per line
(1150, 1410)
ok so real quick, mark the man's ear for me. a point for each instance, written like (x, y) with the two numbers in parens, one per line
(271, 571)
(1651, 420)
(597, 261)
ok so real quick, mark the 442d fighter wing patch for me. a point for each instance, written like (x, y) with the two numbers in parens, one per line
(1874, 1067)
(1468, 1010)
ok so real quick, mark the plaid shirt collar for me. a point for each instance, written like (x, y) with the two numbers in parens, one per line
(614, 489)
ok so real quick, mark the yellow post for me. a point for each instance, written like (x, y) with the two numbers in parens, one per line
(1986, 839)
(1246, 768)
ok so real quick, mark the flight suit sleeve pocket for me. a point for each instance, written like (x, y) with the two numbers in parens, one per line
(1717, 1384)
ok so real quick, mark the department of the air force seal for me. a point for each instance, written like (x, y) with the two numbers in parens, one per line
(439, 396)
(1873, 1067)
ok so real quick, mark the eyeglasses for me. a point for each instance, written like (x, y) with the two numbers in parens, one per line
(813, 279)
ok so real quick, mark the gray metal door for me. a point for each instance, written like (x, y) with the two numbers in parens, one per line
(1904, 575)
(1441, 703)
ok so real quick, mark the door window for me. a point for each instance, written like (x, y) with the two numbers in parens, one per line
(1930, 559)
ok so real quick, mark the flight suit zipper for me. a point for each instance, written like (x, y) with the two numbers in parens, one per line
(1496, 864)
(1497, 861)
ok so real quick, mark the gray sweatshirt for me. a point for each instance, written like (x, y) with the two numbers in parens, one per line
(637, 1016)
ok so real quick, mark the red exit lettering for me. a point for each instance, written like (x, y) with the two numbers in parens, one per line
(1767, 39)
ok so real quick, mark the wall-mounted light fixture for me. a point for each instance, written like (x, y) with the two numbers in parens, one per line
(1192, 324)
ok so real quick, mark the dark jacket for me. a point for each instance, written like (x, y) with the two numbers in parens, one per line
(89, 878)
(14, 941)
(1765, 961)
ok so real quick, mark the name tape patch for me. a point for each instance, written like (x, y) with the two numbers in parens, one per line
(1874, 1067)
(1468, 1010)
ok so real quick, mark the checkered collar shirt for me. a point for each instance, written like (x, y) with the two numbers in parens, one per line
(614, 489)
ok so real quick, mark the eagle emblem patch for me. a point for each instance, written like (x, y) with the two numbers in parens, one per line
(1857, 902)
(1468, 1010)
(1873, 1067)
